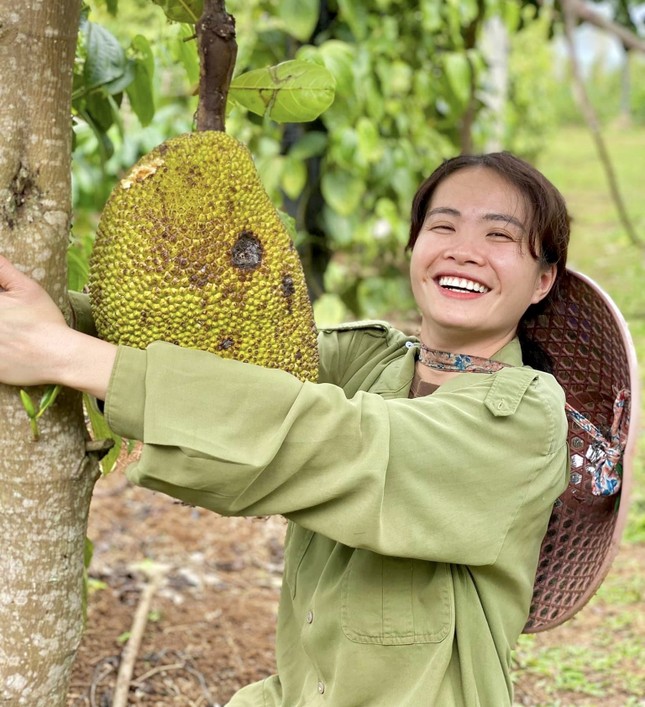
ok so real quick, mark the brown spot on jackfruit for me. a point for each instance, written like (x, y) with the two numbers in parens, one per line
(246, 253)
(288, 288)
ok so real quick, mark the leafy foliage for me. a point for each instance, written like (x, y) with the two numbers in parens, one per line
(406, 75)
(293, 91)
(104, 71)
(410, 86)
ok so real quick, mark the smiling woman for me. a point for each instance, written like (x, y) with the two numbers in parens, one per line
(472, 273)
(418, 483)
(489, 237)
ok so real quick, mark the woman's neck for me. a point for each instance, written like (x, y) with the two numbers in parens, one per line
(481, 347)
(431, 375)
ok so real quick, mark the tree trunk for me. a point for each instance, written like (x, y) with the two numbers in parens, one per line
(626, 89)
(496, 49)
(45, 486)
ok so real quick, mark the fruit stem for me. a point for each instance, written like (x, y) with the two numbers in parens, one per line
(217, 49)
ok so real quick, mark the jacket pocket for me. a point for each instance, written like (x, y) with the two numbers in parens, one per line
(395, 601)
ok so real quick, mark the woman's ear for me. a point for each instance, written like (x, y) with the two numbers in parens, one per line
(544, 283)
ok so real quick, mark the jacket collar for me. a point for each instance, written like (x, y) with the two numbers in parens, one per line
(396, 378)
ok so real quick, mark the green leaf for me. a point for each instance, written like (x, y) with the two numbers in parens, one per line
(105, 61)
(88, 553)
(106, 147)
(512, 14)
(182, 10)
(30, 409)
(28, 404)
(48, 399)
(140, 93)
(338, 57)
(342, 191)
(329, 310)
(369, 140)
(458, 72)
(289, 222)
(141, 52)
(299, 17)
(100, 430)
(185, 51)
(100, 109)
(78, 257)
(356, 15)
(309, 145)
(116, 87)
(431, 19)
(294, 177)
(291, 92)
(112, 6)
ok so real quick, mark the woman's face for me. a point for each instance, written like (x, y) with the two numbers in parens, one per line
(472, 273)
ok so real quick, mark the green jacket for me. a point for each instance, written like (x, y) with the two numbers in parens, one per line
(415, 525)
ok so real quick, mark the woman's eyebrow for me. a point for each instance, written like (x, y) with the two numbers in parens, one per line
(443, 210)
(506, 218)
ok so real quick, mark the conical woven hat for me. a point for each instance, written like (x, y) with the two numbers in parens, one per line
(593, 360)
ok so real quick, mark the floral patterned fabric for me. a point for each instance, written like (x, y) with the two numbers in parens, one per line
(606, 470)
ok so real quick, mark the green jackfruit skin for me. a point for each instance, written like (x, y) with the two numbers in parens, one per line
(190, 250)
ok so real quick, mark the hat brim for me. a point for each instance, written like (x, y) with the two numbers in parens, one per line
(593, 358)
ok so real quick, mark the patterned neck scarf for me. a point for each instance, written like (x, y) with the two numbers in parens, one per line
(606, 451)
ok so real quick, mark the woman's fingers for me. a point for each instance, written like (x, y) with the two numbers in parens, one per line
(30, 326)
(11, 279)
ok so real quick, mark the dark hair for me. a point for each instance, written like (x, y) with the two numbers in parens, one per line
(549, 223)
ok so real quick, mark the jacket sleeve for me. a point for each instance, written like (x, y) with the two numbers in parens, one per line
(439, 478)
(82, 313)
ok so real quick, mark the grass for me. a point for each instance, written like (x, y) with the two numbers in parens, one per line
(597, 657)
(599, 245)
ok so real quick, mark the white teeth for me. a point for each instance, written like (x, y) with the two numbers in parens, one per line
(460, 283)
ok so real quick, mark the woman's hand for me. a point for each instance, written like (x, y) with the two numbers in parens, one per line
(37, 346)
(31, 326)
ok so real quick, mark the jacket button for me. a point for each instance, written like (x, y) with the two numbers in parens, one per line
(310, 617)
(321, 687)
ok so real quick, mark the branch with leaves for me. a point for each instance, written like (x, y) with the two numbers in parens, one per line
(569, 9)
(580, 10)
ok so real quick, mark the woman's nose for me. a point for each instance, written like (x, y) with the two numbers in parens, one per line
(465, 247)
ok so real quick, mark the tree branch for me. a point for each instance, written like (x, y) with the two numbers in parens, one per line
(569, 12)
(629, 39)
(217, 53)
(126, 668)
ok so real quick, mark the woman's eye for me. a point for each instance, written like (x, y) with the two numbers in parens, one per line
(442, 227)
(499, 236)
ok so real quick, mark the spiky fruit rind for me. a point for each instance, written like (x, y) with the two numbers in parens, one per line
(190, 250)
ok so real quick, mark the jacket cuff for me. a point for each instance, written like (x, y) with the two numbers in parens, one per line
(125, 399)
(82, 319)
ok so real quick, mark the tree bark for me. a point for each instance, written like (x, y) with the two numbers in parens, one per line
(217, 50)
(45, 486)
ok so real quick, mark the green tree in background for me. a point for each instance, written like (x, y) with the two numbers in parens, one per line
(412, 88)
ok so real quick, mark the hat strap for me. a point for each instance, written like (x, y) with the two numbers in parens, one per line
(604, 456)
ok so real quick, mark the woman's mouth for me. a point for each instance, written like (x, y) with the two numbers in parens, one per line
(461, 284)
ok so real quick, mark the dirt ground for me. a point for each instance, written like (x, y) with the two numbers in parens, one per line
(210, 623)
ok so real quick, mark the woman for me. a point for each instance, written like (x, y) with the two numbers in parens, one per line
(417, 495)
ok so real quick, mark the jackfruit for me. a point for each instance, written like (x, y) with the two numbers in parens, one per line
(189, 249)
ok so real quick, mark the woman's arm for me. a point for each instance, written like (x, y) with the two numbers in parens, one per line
(442, 477)
(37, 346)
